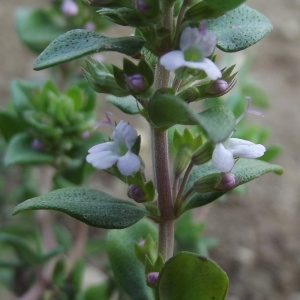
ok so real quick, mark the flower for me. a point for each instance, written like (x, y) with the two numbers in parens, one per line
(69, 8)
(118, 151)
(195, 46)
(224, 154)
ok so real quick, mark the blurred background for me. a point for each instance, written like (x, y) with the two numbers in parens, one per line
(257, 233)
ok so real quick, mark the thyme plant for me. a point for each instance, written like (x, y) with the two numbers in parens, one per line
(169, 64)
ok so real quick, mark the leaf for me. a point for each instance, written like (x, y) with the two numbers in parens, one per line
(36, 29)
(128, 104)
(80, 42)
(224, 5)
(9, 124)
(189, 276)
(20, 151)
(92, 207)
(127, 269)
(244, 170)
(167, 110)
(239, 28)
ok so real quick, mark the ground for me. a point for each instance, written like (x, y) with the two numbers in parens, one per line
(258, 233)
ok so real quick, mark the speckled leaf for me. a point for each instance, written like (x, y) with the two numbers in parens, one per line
(92, 207)
(244, 170)
(239, 29)
(128, 104)
(189, 276)
(129, 272)
(80, 42)
(167, 110)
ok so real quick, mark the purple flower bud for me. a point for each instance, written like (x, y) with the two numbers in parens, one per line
(219, 86)
(151, 278)
(135, 83)
(227, 182)
(142, 6)
(69, 8)
(136, 193)
(90, 26)
(85, 134)
(37, 145)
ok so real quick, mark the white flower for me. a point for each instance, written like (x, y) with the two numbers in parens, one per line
(224, 155)
(195, 45)
(118, 151)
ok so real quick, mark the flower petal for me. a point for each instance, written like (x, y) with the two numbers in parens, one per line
(124, 133)
(129, 163)
(102, 160)
(244, 149)
(172, 60)
(222, 159)
(102, 147)
(207, 66)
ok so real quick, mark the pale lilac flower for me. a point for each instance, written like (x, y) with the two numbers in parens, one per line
(90, 26)
(225, 153)
(118, 151)
(195, 46)
(69, 8)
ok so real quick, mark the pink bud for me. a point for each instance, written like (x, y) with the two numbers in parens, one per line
(37, 145)
(151, 278)
(90, 26)
(227, 181)
(69, 8)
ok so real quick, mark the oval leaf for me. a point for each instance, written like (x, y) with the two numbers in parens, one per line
(188, 276)
(244, 170)
(167, 110)
(128, 270)
(128, 105)
(239, 28)
(92, 207)
(80, 42)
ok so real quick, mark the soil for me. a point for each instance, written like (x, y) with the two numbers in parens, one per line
(258, 233)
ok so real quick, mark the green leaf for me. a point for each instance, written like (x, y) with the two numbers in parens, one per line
(189, 276)
(128, 270)
(92, 207)
(224, 5)
(239, 28)
(244, 170)
(167, 110)
(20, 151)
(36, 29)
(128, 104)
(80, 42)
(10, 125)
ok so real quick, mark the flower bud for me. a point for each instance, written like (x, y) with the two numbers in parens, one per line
(90, 26)
(69, 8)
(37, 145)
(219, 87)
(182, 159)
(207, 183)
(136, 193)
(227, 181)
(203, 154)
(151, 278)
(135, 83)
(148, 8)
